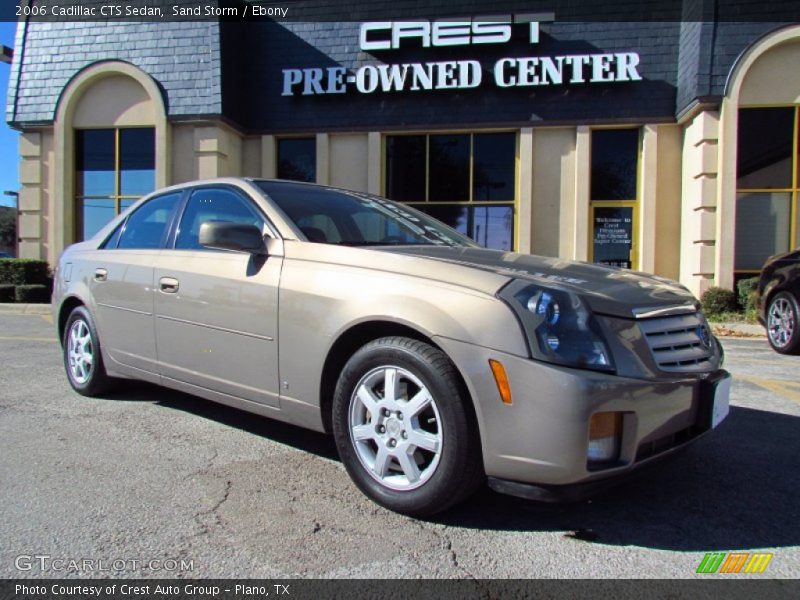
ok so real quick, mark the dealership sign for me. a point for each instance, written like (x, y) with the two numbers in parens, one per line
(509, 72)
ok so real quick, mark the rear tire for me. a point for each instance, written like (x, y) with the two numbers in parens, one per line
(413, 449)
(83, 359)
(783, 318)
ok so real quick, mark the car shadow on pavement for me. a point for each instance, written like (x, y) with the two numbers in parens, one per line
(737, 488)
(277, 431)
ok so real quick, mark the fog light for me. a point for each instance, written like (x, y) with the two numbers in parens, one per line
(605, 431)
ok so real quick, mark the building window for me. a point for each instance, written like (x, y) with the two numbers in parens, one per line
(297, 159)
(114, 168)
(766, 186)
(613, 195)
(467, 181)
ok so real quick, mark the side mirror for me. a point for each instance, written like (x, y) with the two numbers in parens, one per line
(223, 235)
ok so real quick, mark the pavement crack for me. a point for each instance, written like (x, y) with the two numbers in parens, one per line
(210, 519)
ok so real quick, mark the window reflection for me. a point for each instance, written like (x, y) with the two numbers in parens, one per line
(93, 215)
(490, 226)
(95, 162)
(494, 166)
(449, 168)
(447, 175)
(405, 168)
(297, 159)
(137, 161)
(114, 168)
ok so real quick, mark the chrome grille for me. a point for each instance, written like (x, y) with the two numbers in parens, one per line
(678, 343)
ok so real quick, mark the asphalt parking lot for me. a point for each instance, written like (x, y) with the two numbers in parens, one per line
(150, 474)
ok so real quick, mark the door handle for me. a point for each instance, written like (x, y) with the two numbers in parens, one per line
(168, 285)
(100, 274)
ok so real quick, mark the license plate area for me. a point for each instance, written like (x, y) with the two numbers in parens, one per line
(714, 400)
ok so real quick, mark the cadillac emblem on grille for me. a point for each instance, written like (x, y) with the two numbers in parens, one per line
(704, 335)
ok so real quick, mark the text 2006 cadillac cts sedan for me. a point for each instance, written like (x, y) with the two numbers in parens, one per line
(434, 362)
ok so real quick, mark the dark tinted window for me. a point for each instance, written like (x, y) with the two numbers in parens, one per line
(449, 168)
(213, 204)
(494, 165)
(615, 159)
(145, 227)
(405, 168)
(764, 153)
(297, 159)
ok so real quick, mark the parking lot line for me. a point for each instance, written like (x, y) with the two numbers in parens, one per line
(787, 389)
(24, 338)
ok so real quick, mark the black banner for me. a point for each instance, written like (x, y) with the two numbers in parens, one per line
(734, 588)
(324, 10)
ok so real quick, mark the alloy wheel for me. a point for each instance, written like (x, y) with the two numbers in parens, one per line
(80, 351)
(395, 428)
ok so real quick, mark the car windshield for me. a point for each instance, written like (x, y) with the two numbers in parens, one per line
(334, 216)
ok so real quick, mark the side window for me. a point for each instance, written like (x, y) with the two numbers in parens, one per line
(214, 204)
(145, 228)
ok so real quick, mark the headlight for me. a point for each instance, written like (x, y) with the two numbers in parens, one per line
(559, 327)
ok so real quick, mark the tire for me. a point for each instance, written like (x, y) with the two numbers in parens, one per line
(782, 318)
(419, 452)
(83, 359)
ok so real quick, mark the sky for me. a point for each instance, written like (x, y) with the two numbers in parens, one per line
(9, 154)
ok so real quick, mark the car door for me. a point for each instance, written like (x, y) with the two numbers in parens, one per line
(121, 283)
(216, 310)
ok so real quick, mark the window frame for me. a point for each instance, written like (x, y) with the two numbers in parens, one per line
(514, 203)
(117, 197)
(793, 191)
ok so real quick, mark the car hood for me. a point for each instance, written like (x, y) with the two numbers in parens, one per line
(607, 290)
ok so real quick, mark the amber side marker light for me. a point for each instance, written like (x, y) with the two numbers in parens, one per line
(605, 430)
(501, 379)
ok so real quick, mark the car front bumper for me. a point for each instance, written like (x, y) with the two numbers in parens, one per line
(542, 437)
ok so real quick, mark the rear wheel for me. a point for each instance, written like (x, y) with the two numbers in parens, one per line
(82, 357)
(403, 428)
(782, 323)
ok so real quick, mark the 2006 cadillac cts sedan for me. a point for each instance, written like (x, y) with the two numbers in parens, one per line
(434, 362)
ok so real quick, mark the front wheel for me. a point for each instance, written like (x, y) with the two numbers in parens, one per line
(82, 357)
(782, 323)
(403, 427)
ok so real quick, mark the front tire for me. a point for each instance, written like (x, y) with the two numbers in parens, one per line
(403, 428)
(83, 359)
(782, 323)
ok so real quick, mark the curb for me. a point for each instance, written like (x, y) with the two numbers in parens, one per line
(25, 309)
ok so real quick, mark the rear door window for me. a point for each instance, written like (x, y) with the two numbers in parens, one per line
(147, 226)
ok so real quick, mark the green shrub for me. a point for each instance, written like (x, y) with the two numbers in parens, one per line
(746, 289)
(32, 293)
(7, 292)
(716, 300)
(24, 271)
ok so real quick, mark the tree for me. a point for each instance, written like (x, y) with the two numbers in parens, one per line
(8, 228)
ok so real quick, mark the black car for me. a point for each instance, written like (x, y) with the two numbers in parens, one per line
(777, 301)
